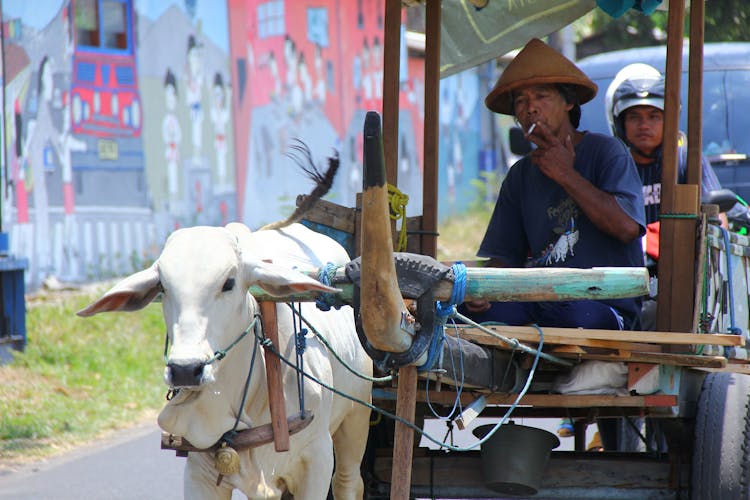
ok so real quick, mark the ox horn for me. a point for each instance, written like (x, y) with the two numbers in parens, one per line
(381, 304)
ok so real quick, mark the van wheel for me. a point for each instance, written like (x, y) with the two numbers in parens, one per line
(721, 453)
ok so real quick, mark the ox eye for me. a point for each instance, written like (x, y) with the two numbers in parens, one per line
(228, 285)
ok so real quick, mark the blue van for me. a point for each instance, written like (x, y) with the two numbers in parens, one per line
(726, 102)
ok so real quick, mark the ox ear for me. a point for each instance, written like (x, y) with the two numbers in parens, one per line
(132, 293)
(281, 281)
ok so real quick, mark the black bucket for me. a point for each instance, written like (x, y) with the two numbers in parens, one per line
(514, 458)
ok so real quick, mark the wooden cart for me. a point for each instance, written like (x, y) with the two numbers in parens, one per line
(696, 364)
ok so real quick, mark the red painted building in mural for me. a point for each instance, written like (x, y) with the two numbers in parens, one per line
(326, 53)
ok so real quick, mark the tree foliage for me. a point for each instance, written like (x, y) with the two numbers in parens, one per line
(725, 21)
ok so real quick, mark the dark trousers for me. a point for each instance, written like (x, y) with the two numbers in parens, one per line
(572, 314)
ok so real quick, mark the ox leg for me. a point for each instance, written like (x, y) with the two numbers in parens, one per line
(200, 480)
(349, 443)
(313, 480)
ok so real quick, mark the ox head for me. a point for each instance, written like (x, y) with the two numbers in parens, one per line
(203, 274)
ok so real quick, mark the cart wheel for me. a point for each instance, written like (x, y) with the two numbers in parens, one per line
(721, 456)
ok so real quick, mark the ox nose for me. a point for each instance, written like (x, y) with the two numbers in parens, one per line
(186, 373)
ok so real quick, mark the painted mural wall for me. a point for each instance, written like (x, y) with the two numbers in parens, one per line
(127, 119)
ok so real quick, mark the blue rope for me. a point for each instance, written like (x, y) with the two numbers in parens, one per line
(326, 300)
(733, 325)
(443, 312)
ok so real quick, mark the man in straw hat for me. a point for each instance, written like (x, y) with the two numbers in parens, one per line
(574, 201)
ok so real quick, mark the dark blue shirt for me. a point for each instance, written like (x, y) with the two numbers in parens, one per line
(536, 224)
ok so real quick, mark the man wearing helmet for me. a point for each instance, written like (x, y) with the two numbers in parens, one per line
(574, 201)
(635, 107)
(635, 111)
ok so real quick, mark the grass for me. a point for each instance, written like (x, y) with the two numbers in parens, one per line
(78, 378)
(460, 236)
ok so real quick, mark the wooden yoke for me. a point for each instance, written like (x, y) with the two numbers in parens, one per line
(276, 403)
(384, 315)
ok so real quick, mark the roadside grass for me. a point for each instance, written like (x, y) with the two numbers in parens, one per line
(78, 377)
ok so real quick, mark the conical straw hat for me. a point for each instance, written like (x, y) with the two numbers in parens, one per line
(537, 64)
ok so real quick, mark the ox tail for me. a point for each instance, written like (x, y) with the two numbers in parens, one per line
(300, 153)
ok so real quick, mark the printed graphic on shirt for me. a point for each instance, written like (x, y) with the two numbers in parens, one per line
(652, 194)
(566, 235)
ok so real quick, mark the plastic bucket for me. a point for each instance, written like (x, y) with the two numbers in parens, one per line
(514, 458)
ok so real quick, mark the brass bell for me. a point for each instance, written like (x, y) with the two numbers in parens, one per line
(227, 460)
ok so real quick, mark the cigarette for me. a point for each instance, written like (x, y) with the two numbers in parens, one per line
(531, 129)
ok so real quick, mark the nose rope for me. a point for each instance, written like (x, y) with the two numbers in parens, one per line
(221, 353)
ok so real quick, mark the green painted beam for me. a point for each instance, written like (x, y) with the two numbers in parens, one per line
(519, 285)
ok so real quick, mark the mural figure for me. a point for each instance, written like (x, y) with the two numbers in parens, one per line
(320, 75)
(19, 170)
(305, 80)
(194, 91)
(273, 66)
(290, 62)
(68, 143)
(41, 138)
(367, 91)
(172, 135)
(377, 68)
(220, 119)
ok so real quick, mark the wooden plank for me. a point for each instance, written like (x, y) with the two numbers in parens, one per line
(578, 336)
(330, 214)
(532, 337)
(662, 358)
(403, 439)
(541, 400)
(273, 379)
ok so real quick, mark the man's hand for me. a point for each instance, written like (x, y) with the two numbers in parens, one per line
(554, 158)
(477, 306)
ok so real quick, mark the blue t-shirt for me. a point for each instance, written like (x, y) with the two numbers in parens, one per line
(536, 224)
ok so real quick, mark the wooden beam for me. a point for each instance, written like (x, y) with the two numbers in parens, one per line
(541, 400)
(431, 128)
(677, 235)
(695, 94)
(579, 336)
(661, 358)
(273, 379)
(403, 440)
(391, 75)
(515, 285)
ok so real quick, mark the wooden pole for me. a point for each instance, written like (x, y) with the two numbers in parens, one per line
(391, 74)
(679, 202)
(273, 378)
(695, 94)
(431, 128)
(403, 440)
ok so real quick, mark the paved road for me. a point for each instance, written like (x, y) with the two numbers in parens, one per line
(130, 465)
(126, 466)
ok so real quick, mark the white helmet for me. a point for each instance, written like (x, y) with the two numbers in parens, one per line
(631, 72)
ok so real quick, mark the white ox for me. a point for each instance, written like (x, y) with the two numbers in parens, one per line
(204, 274)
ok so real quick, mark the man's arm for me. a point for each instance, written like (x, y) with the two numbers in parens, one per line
(555, 159)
